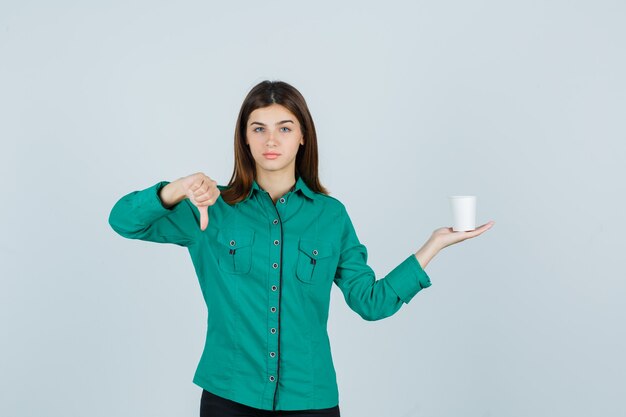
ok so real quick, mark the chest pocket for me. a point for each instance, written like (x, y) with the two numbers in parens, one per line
(235, 250)
(315, 261)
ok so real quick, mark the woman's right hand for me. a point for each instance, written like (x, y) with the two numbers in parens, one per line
(202, 191)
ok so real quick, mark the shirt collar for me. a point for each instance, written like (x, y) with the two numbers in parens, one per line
(300, 185)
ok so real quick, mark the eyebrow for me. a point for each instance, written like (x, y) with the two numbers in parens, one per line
(279, 123)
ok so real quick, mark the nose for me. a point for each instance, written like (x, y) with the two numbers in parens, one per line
(271, 137)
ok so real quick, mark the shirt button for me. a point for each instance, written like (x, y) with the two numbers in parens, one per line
(273, 287)
(274, 265)
(282, 200)
(275, 221)
(272, 378)
(272, 354)
(276, 242)
(232, 243)
(315, 252)
(273, 309)
(273, 330)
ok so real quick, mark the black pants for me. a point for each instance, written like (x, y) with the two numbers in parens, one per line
(212, 405)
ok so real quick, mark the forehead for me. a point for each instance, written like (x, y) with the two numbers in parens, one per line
(271, 114)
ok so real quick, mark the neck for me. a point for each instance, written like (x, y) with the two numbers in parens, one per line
(276, 184)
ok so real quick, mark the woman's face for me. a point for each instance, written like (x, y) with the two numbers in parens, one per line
(274, 129)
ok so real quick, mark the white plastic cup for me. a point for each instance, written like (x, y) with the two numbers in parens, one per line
(463, 212)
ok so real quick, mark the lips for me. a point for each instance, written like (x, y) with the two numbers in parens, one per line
(271, 154)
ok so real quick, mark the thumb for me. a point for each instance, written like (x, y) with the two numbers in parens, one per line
(204, 217)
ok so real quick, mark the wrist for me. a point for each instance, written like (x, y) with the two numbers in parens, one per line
(172, 194)
(427, 252)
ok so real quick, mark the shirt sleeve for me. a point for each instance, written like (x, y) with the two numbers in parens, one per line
(141, 215)
(374, 299)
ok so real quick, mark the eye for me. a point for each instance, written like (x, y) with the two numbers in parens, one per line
(257, 128)
(288, 130)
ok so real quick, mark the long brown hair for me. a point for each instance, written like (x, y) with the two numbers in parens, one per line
(262, 95)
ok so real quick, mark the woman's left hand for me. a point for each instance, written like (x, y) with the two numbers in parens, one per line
(444, 236)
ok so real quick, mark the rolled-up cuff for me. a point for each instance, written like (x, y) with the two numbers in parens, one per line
(408, 278)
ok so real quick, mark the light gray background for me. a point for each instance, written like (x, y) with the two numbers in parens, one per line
(520, 103)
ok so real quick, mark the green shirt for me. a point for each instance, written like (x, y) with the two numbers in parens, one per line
(266, 272)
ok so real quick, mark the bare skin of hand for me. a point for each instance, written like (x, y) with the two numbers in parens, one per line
(445, 236)
(202, 191)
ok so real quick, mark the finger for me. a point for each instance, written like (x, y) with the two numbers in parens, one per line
(480, 230)
(206, 197)
(196, 185)
(485, 227)
(204, 217)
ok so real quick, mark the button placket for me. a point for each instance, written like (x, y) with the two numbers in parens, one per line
(274, 297)
(275, 272)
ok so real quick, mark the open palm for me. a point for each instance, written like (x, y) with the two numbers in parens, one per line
(445, 236)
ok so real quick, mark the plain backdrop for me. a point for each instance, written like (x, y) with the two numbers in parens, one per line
(519, 103)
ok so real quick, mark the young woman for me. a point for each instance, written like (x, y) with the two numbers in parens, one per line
(267, 248)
